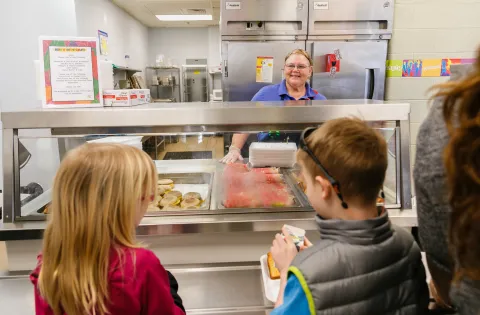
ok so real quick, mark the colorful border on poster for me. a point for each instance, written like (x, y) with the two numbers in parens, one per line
(423, 67)
(53, 41)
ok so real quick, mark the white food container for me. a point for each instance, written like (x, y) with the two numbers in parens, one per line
(271, 287)
(264, 154)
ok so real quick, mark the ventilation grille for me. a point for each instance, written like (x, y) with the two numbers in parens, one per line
(194, 11)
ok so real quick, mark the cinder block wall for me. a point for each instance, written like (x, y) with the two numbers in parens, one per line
(429, 29)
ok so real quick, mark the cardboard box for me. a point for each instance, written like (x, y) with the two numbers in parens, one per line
(133, 97)
(144, 96)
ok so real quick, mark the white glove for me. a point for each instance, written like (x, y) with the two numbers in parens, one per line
(233, 155)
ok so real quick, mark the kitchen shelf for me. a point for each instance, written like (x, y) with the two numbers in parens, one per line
(117, 68)
(163, 68)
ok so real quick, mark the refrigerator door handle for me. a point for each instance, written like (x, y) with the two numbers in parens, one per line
(369, 83)
(225, 68)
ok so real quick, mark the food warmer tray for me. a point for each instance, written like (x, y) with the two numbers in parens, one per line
(300, 199)
(191, 179)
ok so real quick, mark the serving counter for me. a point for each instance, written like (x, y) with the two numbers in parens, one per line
(210, 248)
(70, 127)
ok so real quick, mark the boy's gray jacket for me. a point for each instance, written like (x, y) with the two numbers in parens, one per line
(363, 268)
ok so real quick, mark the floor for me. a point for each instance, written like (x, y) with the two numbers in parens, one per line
(3, 258)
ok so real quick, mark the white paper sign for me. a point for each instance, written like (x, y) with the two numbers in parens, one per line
(71, 74)
(320, 5)
(264, 70)
(233, 5)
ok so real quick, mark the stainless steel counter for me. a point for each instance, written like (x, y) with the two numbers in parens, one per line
(185, 118)
(188, 115)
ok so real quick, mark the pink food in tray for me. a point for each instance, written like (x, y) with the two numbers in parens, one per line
(265, 170)
(255, 190)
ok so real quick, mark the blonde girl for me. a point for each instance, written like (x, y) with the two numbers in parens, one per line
(91, 262)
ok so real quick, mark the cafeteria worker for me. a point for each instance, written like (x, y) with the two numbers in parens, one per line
(297, 71)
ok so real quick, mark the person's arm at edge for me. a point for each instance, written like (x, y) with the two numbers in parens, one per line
(283, 284)
(293, 298)
(239, 139)
(174, 290)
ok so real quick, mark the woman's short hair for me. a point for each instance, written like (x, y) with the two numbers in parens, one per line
(300, 52)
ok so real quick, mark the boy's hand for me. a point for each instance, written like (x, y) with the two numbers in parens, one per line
(283, 251)
(306, 244)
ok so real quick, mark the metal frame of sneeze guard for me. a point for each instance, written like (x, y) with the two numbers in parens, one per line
(190, 118)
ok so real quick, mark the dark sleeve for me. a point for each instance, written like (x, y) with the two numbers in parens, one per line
(174, 291)
(423, 293)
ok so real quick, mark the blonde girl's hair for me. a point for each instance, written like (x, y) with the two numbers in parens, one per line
(461, 110)
(300, 52)
(96, 193)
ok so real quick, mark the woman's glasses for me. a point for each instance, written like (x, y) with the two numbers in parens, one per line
(292, 66)
(303, 145)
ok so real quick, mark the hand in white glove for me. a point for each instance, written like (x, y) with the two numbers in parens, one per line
(233, 156)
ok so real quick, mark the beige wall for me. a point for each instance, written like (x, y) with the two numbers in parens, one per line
(429, 29)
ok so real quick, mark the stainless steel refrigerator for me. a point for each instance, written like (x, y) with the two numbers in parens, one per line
(255, 29)
(355, 32)
(348, 41)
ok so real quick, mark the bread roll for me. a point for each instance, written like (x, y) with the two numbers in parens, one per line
(272, 270)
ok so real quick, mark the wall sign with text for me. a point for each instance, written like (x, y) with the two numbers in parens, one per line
(70, 72)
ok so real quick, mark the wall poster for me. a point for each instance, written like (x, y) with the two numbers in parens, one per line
(423, 67)
(103, 41)
(70, 72)
(264, 70)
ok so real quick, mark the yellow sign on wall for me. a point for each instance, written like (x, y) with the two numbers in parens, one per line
(264, 70)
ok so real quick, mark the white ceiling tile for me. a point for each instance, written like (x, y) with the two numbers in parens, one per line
(145, 11)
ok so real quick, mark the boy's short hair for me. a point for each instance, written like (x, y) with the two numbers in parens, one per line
(353, 153)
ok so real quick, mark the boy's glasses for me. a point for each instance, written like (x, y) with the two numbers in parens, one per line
(303, 145)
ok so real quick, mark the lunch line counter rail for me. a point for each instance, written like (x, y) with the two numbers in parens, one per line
(207, 115)
(214, 220)
(215, 223)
